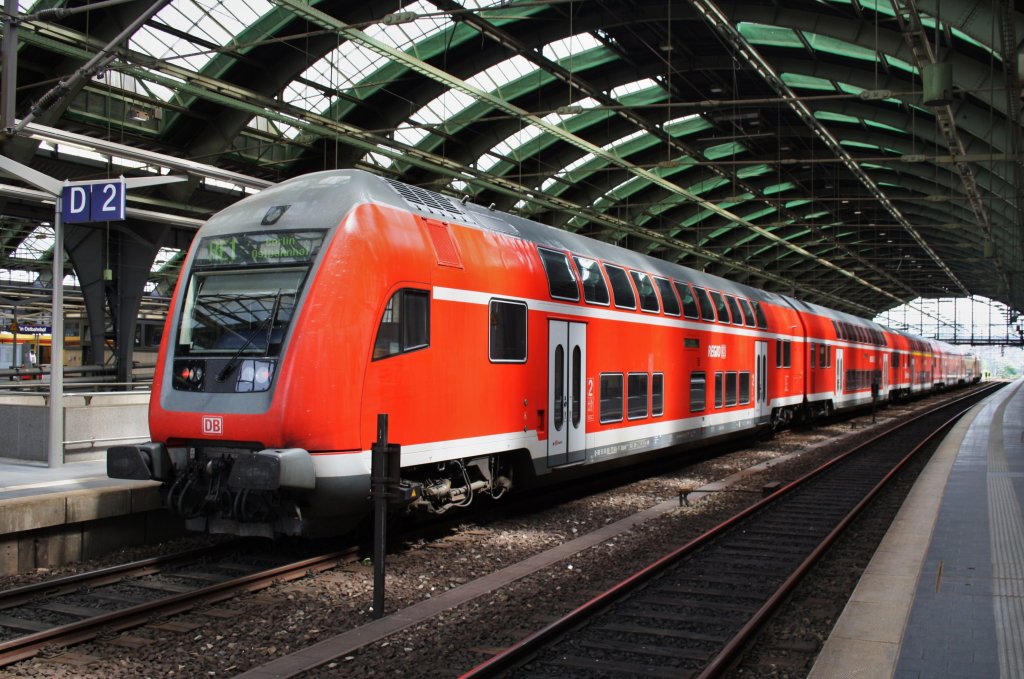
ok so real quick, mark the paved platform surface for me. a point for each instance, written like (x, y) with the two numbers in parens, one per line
(51, 516)
(944, 595)
(19, 480)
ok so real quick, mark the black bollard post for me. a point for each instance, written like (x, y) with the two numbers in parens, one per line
(379, 491)
(385, 477)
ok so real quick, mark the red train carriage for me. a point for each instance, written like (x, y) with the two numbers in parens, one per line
(501, 349)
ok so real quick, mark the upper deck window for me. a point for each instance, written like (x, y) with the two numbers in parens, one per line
(622, 291)
(644, 286)
(404, 325)
(707, 309)
(720, 307)
(689, 301)
(762, 322)
(734, 308)
(748, 313)
(561, 278)
(595, 291)
(668, 296)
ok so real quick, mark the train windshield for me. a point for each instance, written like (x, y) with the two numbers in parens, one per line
(243, 292)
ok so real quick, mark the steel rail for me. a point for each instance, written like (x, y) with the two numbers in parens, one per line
(28, 646)
(18, 596)
(721, 662)
(521, 651)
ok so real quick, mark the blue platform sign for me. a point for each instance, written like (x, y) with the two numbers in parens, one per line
(98, 202)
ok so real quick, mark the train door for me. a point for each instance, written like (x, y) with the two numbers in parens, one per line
(567, 404)
(913, 381)
(839, 373)
(761, 379)
(884, 387)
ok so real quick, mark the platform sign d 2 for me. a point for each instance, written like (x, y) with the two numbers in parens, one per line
(97, 202)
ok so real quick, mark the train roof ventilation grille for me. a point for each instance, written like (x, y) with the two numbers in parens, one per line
(430, 201)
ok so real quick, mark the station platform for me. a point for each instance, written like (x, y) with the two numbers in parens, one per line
(944, 594)
(52, 516)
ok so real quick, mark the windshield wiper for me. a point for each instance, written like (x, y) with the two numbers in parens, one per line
(266, 326)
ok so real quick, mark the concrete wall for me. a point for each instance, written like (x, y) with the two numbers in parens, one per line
(92, 423)
(54, 529)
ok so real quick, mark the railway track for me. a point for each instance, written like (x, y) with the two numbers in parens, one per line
(78, 608)
(689, 614)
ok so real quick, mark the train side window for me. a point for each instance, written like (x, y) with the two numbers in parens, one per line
(622, 291)
(828, 357)
(730, 389)
(668, 296)
(595, 291)
(762, 322)
(718, 390)
(895, 359)
(748, 313)
(689, 301)
(822, 356)
(720, 307)
(698, 391)
(783, 353)
(611, 397)
(507, 336)
(734, 309)
(636, 392)
(644, 286)
(405, 324)
(561, 278)
(744, 388)
(707, 309)
(657, 395)
(812, 363)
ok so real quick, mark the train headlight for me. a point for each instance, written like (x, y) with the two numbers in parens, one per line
(188, 375)
(254, 375)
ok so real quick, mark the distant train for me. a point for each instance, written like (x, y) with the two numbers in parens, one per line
(501, 349)
(15, 347)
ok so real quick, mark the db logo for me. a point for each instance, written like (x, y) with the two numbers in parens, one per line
(213, 425)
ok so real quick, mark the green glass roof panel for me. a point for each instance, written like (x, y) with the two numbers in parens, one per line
(837, 117)
(719, 151)
(968, 39)
(687, 125)
(709, 184)
(759, 213)
(883, 126)
(769, 36)
(858, 144)
(901, 64)
(829, 45)
(808, 82)
(778, 188)
(797, 203)
(753, 171)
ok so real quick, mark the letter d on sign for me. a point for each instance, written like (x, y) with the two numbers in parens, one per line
(75, 204)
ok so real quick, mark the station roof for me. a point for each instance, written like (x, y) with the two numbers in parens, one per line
(785, 144)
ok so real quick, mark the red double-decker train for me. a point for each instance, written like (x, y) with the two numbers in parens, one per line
(501, 349)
